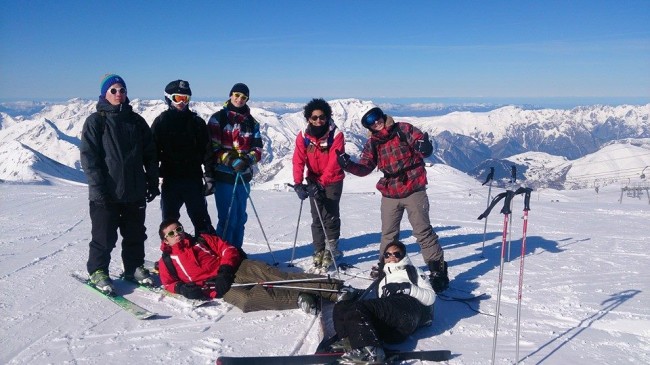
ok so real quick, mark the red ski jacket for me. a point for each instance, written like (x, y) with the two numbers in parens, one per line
(319, 156)
(197, 260)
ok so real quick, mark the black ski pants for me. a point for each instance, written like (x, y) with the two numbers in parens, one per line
(328, 206)
(368, 322)
(106, 219)
(189, 191)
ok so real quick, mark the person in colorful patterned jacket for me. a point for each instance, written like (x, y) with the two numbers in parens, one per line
(236, 146)
(207, 267)
(315, 150)
(398, 150)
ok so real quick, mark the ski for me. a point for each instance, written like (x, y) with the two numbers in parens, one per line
(127, 305)
(194, 303)
(332, 358)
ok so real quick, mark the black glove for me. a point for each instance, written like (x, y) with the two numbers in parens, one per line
(240, 164)
(190, 290)
(342, 158)
(208, 185)
(222, 282)
(396, 288)
(301, 191)
(424, 146)
(314, 190)
(152, 193)
(439, 278)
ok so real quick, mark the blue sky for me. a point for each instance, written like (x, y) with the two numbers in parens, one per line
(331, 49)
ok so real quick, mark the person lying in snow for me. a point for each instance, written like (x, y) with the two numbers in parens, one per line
(403, 304)
(207, 266)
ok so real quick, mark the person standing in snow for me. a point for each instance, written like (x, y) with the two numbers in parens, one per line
(236, 147)
(398, 150)
(315, 150)
(207, 266)
(184, 150)
(118, 156)
(404, 303)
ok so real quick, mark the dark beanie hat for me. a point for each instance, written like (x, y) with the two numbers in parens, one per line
(108, 80)
(178, 87)
(240, 88)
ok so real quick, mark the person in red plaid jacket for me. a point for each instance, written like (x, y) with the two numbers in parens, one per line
(398, 150)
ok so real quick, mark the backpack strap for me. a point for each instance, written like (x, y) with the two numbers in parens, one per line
(170, 266)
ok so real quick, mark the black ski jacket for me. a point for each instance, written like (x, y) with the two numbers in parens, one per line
(118, 154)
(183, 144)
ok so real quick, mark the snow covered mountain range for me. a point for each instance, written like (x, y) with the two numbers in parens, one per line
(585, 146)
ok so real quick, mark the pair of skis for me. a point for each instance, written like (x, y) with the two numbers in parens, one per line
(136, 310)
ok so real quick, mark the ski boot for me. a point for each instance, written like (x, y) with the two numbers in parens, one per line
(364, 355)
(140, 276)
(308, 303)
(103, 282)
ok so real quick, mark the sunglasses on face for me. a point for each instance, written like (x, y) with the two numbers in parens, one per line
(240, 96)
(179, 98)
(177, 231)
(398, 255)
(322, 117)
(120, 90)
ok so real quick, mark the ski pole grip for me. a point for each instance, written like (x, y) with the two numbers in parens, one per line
(527, 199)
(506, 202)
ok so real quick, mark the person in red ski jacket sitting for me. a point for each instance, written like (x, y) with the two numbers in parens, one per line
(207, 266)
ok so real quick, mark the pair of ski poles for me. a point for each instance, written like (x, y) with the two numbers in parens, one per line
(282, 284)
(322, 223)
(238, 177)
(506, 211)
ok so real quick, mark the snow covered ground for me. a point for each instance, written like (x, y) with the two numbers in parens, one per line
(585, 299)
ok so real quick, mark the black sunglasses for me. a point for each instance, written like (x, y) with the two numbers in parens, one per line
(398, 255)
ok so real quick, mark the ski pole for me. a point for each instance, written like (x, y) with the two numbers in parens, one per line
(526, 192)
(489, 179)
(303, 280)
(275, 263)
(302, 288)
(322, 223)
(506, 212)
(513, 182)
(295, 238)
(232, 201)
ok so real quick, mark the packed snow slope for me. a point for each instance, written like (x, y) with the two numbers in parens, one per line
(585, 295)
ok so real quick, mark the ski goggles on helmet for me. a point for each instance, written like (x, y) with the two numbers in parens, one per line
(174, 232)
(372, 117)
(178, 98)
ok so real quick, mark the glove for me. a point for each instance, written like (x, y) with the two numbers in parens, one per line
(301, 191)
(314, 190)
(439, 278)
(396, 288)
(342, 158)
(208, 185)
(152, 193)
(424, 146)
(222, 282)
(240, 164)
(189, 290)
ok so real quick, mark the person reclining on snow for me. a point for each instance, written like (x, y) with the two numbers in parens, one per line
(207, 266)
(404, 303)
